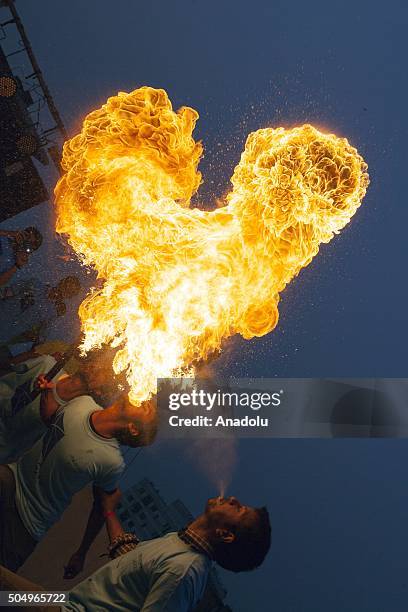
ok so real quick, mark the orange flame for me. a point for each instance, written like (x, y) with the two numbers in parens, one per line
(178, 280)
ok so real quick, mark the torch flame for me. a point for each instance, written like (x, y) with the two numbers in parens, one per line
(177, 281)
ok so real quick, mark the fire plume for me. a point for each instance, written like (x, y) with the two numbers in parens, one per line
(178, 280)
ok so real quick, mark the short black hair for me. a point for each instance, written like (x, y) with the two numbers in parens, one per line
(147, 432)
(250, 546)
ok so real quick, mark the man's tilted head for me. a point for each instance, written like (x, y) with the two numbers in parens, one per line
(240, 535)
(137, 425)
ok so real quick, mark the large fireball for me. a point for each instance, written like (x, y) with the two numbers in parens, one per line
(177, 281)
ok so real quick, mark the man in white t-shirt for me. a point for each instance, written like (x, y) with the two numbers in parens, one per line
(21, 424)
(81, 446)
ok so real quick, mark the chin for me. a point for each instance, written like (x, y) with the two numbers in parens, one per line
(211, 503)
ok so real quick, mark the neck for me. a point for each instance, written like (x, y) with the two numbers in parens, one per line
(106, 422)
(201, 528)
(70, 387)
(198, 534)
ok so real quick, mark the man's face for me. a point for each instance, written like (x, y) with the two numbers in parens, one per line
(228, 511)
(53, 294)
(30, 238)
(26, 240)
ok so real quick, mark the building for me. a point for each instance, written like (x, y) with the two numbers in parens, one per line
(31, 128)
(143, 510)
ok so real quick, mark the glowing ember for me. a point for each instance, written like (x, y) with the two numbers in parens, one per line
(179, 280)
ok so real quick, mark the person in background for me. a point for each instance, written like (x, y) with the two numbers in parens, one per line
(30, 313)
(55, 348)
(166, 574)
(81, 446)
(21, 425)
(21, 347)
(32, 292)
(15, 250)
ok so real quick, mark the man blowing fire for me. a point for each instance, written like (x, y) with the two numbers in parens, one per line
(166, 574)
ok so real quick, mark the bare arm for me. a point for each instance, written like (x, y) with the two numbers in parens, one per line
(120, 542)
(113, 526)
(9, 233)
(48, 404)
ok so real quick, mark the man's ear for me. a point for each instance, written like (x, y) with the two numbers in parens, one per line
(225, 535)
(133, 430)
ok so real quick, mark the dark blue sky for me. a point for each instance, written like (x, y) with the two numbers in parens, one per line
(338, 507)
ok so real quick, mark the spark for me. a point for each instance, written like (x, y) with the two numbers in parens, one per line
(176, 280)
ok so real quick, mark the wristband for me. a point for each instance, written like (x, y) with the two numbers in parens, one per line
(110, 513)
(122, 544)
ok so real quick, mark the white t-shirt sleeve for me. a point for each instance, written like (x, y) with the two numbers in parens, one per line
(107, 477)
